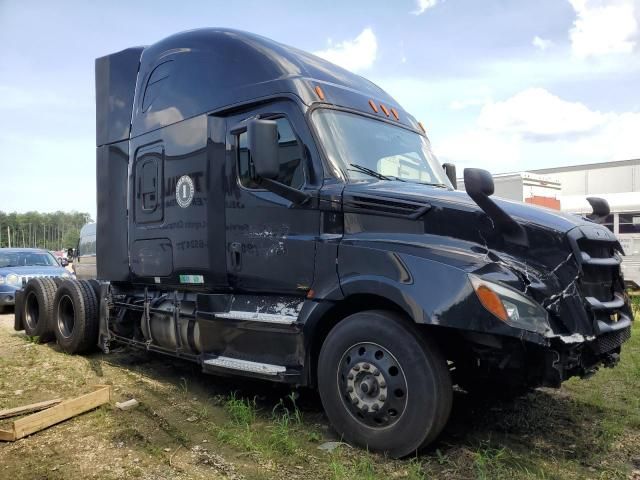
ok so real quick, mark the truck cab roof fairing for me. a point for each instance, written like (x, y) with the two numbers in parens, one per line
(205, 70)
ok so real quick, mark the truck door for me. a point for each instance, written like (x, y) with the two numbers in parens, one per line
(270, 240)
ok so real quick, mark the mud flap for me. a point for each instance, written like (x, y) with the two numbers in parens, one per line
(18, 324)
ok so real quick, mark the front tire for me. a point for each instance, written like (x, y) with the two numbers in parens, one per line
(383, 385)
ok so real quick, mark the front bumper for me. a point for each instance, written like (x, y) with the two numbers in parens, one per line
(7, 296)
(574, 355)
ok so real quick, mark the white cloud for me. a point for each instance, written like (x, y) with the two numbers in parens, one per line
(469, 102)
(618, 139)
(481, 148)
(601, 28)
(541, 43)
(537, 113)
(355, 55)
(423, 5)
(535, 129)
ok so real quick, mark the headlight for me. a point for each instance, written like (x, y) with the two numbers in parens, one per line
(511, 306)
(1, 279)
(13, 279)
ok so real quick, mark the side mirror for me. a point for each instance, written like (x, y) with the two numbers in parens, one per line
(478, 182)
(70, 253)
(479, 186)
(450, 172)
(262, 136)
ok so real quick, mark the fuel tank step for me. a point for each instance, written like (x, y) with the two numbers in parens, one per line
(245, 366)
(258, 317)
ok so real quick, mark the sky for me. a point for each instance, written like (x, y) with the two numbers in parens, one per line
(504, 85)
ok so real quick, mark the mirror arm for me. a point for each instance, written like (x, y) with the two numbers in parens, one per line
(296, 196)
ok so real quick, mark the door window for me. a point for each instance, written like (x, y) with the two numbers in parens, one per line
(289, 153)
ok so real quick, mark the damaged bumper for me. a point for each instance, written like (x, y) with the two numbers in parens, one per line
(576, 355)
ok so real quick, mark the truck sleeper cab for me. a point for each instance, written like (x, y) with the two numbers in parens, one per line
(263, 212)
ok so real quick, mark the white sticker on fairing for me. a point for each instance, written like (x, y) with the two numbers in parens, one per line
(191, 279)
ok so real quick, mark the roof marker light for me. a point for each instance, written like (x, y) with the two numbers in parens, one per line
(395, 113)
(373, 106)
(384, 109)
(422, 127)
(319, 92)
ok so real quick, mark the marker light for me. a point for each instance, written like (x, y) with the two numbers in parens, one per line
(395, 113)
(373, 106)
(422, 127)
(491, 301)
(319, 92)
(384, 109)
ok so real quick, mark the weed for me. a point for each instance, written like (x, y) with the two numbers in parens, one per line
(364, 468)
(242, 411)
(297, 414)
(281, 439)
(313, 436)
(183, 386)
(415, 470)
(337, 468)
(32, 338)
(486, 460)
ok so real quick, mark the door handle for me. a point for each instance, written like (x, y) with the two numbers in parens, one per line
(235, 250)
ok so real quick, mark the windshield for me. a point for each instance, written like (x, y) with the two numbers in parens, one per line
(27, 259)
(364, 148)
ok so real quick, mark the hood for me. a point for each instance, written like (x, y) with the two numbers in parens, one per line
(434, 197)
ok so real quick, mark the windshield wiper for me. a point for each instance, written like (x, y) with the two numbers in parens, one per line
(439, 185)
(368, 171)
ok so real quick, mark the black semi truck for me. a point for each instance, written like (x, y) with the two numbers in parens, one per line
(263, 212)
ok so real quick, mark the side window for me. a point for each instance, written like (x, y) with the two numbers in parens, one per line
(156, 83)
(629, 222)
(290, 154)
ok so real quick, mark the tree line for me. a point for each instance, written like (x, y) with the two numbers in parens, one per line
(52, 231)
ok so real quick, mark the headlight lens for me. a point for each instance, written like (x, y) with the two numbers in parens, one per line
(511, 306)
(13, 279)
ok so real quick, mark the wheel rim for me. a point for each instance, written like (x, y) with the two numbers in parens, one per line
(372, 385)
(66, 316)
(31, 310)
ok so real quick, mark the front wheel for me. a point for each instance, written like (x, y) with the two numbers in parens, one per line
(383, 385)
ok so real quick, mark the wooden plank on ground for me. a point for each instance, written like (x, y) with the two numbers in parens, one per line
(34, 407)
(69, 408)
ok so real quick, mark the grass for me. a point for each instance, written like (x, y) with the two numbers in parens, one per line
(588, 429)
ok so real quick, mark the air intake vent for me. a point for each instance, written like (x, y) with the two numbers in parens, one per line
(380, 205)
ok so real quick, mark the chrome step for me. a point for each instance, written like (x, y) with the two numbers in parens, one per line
(245, 366)
(258, 317)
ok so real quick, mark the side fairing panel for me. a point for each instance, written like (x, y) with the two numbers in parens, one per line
(111, 237)
(115, 87)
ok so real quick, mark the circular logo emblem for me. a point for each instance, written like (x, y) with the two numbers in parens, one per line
(184, 191)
